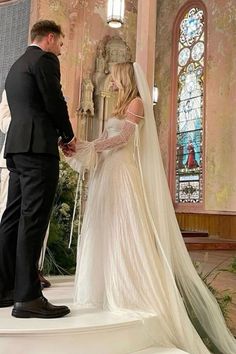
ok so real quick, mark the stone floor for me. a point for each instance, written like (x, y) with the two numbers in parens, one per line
(208, 260)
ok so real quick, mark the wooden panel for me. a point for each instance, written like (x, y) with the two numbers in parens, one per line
(223, 226)
(206, 243)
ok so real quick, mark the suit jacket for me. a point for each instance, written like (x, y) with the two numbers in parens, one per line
(38, 109)
(5, 118)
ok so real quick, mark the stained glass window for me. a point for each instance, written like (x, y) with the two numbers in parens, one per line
(189, 152)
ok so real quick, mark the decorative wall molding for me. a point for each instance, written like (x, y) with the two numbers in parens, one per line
(97, 98)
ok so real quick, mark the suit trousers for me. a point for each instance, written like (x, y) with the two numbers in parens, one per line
(32, 187)
(4, 181)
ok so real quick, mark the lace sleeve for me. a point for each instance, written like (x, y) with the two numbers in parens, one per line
(103, 136)
(85, 157)
(134, 114)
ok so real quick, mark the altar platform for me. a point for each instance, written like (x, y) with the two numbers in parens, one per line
(81, 332)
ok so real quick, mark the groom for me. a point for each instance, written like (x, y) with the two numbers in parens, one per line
(39, 117)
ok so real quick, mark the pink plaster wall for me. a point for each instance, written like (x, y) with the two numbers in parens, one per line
(220, 124)
(84, 25)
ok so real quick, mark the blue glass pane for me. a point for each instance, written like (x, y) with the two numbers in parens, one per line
(191, 26)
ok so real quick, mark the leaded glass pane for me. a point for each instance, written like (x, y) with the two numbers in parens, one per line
(184, 56)
(190, 108)
(191, 26)
(197, 51)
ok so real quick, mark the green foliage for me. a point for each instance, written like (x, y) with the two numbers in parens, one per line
(231, 268)
(224, 299)
(59, 258)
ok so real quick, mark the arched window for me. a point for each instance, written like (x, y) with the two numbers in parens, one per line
(189, 99)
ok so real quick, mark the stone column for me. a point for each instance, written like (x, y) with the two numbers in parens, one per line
(146, 37)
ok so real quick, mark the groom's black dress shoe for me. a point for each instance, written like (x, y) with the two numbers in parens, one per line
(38, 308)
(7, 299)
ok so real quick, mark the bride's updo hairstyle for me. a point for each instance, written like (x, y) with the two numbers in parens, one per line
(124, 78)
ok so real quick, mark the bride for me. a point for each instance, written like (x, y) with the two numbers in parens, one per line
(132, 255)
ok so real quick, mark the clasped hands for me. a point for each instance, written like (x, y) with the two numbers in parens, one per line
(68, 149)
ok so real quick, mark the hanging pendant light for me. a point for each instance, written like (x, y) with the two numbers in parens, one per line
(115, 13)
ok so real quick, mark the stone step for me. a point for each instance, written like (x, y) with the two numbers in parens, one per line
(83, 331)
(207, 243)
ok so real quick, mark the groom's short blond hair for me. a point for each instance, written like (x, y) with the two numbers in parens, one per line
(43, 28)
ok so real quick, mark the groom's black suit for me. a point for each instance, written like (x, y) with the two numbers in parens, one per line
(39, 116)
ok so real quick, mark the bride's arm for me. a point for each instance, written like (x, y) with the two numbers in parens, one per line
(103, 135)
(85, 157)
(87, 152)
(134, 114)
(83, 146)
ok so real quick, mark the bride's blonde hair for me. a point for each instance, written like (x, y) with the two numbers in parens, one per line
(124, 77)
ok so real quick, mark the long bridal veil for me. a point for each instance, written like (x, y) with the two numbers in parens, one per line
(183, 285)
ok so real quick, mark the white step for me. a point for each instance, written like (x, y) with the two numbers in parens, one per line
(82, 332)
(94, 333)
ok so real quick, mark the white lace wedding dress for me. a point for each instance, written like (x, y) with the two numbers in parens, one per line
(122, 263)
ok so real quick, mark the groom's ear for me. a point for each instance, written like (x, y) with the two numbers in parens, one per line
(50, 37)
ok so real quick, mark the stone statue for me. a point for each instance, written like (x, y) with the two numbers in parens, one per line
(100, 60)
(86, 104)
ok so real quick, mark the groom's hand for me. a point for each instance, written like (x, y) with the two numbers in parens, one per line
(72, 145)
(68, 149)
